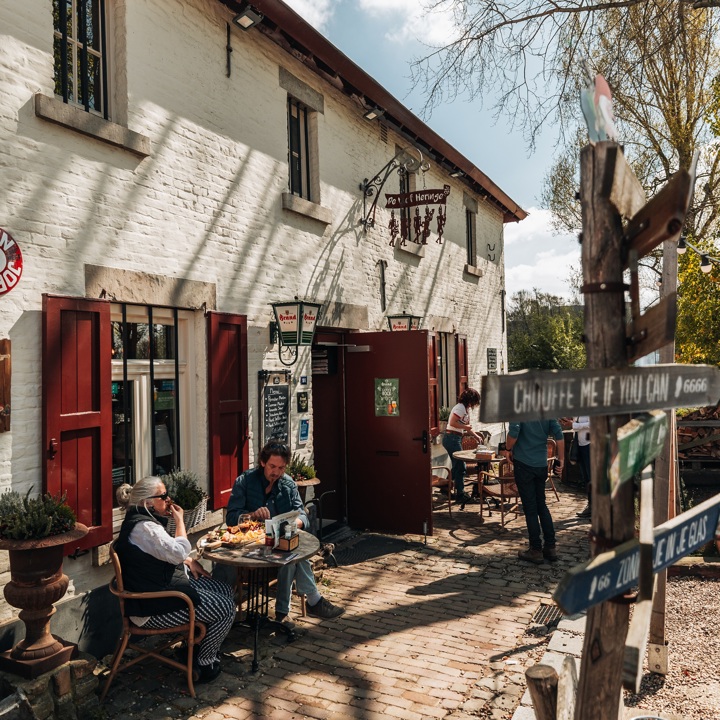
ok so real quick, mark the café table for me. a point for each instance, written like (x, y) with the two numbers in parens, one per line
(258, 574)
(483, 465)
(303, 485)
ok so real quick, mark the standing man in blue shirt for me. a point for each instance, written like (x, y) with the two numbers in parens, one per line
(528, 443)
(266, 491)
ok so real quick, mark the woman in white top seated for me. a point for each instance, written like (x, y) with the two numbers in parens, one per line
(458, 425)
(152, 560)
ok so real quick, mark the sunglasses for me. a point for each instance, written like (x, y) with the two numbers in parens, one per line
(164, 496)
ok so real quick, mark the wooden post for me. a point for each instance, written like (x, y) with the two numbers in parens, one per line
(542, 682)
(600, 681)
(665, 480)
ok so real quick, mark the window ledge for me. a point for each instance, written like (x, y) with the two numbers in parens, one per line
(75, 118)
(412, 248)
(473, 270)
(305, 207)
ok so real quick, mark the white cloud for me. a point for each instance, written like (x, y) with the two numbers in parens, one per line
(536, 257)
(315, 12)
(407, 20)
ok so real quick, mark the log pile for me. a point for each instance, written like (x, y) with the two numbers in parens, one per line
(700, 439)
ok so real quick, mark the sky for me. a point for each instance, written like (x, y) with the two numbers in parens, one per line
(382, 37)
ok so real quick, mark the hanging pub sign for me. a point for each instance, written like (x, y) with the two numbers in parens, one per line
(416, 227)
(11, 262)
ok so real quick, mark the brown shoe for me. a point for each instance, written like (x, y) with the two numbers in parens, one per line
(532, 555)
(550, 553)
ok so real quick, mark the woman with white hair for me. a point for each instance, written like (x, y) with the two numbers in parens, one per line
(152, 560)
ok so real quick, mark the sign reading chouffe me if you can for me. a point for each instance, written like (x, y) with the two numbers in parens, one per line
(11, 263)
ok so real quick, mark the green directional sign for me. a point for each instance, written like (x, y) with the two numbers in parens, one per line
(639, 442)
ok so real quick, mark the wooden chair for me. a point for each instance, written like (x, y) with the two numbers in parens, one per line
(442, 478)
(552, 457)
(472, 470)
(498, 484)
(192, 632)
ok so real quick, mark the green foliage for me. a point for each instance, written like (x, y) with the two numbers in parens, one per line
(298, 469)
(544, 333)
(26, 518)
(444, 413)
(184, 488)
(698, 331)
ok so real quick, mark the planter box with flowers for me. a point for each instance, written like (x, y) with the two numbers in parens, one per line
(34, 532)
(183, 487)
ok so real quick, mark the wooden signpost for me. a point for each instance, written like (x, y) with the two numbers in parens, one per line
(612, 573)
(537, 394)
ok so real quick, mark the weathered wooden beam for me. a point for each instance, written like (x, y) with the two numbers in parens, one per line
(542, 682)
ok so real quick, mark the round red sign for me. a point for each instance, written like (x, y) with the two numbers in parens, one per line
(11, 262)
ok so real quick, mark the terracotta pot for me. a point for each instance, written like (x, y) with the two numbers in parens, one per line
(37, 581)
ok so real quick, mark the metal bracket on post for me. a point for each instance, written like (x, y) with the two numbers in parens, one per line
(404, 163)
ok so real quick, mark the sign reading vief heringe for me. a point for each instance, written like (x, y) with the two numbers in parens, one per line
(531, 395)
(418, 197)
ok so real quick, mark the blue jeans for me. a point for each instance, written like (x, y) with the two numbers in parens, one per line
(584, 463)
(452, 442)
(531, 484)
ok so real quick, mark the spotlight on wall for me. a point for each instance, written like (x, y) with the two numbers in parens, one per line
(705, 264)
(457, 174)
(682, 246)
(373, 113)
(247, 17)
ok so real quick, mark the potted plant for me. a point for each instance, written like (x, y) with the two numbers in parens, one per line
(298, 469)
(443, 417)
(34, 531)
(183, 487)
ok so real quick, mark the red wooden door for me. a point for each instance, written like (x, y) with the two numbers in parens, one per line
(461, 364)
(389, 457)
(77, 410)
(227, 403)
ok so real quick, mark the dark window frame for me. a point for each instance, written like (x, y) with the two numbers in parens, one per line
(298, 149)
(470, 237)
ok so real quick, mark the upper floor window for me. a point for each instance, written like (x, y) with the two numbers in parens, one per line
(299, 149)
(80, 54)
(470, 237)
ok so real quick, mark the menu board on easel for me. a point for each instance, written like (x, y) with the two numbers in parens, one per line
(275, 406)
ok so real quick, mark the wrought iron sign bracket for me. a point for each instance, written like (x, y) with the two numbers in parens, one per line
(404, 163)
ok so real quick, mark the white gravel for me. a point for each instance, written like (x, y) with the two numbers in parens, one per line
(691, 689)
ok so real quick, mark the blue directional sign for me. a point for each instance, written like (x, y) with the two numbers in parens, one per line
(612, 573)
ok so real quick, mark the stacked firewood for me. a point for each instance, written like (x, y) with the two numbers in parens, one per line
(701, 440)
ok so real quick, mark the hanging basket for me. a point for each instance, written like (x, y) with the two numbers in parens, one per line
(192, 517)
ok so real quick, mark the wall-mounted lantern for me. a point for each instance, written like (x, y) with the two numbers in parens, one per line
(294, 327)
(404, 322)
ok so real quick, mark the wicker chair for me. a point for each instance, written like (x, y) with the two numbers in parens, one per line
(192, 632)
(498, 484)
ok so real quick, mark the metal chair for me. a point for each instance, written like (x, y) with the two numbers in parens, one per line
(438, 481)
(192, 632)
(552, 457)
(498, 483)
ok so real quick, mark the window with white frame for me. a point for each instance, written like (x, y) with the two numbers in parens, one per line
(151, 377)
(80, 54)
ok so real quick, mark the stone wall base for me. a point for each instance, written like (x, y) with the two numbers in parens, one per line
(66, 693)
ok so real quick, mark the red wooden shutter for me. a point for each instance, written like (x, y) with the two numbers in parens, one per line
(461, 363)
(77, 410)
(227, 403)
(433, 382)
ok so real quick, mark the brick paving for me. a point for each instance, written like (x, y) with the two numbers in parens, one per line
(436, 630)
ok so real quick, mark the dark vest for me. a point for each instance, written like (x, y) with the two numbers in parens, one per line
(144, 573)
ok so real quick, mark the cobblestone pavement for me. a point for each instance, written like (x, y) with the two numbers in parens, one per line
(436, 630)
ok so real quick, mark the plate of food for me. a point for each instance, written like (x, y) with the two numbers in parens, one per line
(247, 532)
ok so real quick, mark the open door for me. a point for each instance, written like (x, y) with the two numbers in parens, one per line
(388, 446)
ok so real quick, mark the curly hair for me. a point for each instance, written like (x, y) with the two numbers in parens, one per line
(273, 447)
(469, 397)
(138, 493)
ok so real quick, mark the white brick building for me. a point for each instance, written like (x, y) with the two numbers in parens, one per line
(162, 189)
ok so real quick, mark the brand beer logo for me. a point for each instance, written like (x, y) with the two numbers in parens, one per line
(11, 263)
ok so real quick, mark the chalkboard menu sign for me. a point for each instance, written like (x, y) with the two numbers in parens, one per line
(275, 409)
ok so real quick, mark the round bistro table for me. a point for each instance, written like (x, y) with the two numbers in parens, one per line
(258, 573)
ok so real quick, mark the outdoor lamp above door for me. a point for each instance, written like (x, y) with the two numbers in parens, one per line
(404, 322)
(295, 322)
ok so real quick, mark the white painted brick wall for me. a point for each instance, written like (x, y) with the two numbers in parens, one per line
(206, 204)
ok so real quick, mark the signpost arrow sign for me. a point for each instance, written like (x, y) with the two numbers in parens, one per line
(639, 443)
(614, 572)
(538, 394)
